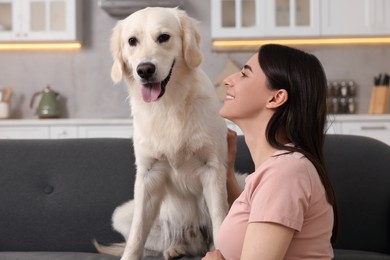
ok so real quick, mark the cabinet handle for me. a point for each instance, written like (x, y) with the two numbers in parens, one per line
(373, 127)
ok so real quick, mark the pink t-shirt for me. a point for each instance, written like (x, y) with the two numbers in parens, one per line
(287, 190)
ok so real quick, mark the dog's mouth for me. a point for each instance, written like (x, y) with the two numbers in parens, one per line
(151, 92)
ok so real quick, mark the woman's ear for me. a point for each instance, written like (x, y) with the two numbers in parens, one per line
(279, 97)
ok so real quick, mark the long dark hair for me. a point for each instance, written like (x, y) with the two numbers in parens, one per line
(302, 118)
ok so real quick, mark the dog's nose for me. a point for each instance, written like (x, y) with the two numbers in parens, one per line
(146, 70)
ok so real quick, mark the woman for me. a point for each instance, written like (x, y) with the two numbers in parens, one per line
(287, 209)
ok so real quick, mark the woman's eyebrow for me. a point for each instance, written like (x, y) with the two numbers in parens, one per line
(246, 66)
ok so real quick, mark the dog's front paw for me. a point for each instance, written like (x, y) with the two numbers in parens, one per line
(174, 252)
(126, 256)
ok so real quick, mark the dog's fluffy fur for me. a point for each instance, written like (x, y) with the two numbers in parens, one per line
(180, 197)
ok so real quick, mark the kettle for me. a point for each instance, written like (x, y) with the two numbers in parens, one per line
(48, 106)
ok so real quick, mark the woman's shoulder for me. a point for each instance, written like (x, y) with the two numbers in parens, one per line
(285, 165)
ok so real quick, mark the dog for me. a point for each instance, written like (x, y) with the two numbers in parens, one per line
(180, 197)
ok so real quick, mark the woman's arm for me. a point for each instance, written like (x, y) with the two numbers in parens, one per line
(233, 188)
(214, 255)
(266, 241)
(263, 240)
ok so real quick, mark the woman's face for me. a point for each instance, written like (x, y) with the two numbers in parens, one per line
(247, 93)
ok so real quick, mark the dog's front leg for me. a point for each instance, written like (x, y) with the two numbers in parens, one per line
(148, 195)
(215, 193)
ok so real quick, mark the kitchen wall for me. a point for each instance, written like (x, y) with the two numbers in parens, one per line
(83, 77)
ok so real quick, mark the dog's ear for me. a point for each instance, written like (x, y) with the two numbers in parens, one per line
(116, 50)
(191, 40)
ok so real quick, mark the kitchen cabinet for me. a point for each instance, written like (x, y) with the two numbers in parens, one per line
(299, 18)
(122, 131)
(234, 127)
(62, 132)
(333, 127)
(236, 18)
(25, 132)
(39, 20)
(374, 126)
(355, 17)
(292, 18)
(65, 128)
(379, 130)
(261, 18)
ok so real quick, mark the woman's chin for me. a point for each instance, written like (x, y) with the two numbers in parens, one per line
(223, 113)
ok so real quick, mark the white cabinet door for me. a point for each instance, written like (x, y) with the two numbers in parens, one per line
(62, 132)
(262, 18)
(24, 132)
(355, 17)
(9, 19)
(234, 127)
(105, 131)
(333, 127)
(237, 18)
(293, 18)
(50, 19)
(378, 130)
(38, 20)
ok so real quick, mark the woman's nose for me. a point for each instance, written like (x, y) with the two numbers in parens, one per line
(228, 81)
(226, 84)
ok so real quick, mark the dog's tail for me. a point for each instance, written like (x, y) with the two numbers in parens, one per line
(116, 249)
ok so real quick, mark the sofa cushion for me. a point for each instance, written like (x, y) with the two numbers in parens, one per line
(54, 256)
(340, 254)
(69, 256)
(59, 195)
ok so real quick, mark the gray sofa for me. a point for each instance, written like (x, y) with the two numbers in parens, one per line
(58, 195)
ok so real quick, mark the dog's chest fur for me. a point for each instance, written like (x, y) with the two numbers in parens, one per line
(170, 136)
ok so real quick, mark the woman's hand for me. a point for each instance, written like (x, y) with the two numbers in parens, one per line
(233, 188)
(214, 255)
(232, 150)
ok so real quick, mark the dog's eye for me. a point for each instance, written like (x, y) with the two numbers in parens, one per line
(163, 38)
(133, 41)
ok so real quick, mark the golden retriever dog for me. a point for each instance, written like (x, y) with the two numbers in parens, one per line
(180, 197)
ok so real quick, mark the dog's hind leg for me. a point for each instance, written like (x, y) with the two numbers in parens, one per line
(122, 218)
(187, 241)
(149, 192)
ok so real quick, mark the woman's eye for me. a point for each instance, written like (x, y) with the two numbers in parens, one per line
(242, 74)
(163, 38)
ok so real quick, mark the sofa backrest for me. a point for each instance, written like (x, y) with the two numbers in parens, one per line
(59, 195)
(360, 170)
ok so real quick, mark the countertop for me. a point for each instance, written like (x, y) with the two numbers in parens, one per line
(66, 121)
(360, 117)
(128, 121)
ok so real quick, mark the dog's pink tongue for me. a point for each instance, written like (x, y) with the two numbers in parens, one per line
(150, 92)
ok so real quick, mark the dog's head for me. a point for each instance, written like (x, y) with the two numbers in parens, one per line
(150, 44)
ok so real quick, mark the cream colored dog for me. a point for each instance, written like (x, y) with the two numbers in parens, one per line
(180, 197)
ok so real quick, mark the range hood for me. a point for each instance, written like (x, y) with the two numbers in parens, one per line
(122, 8)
